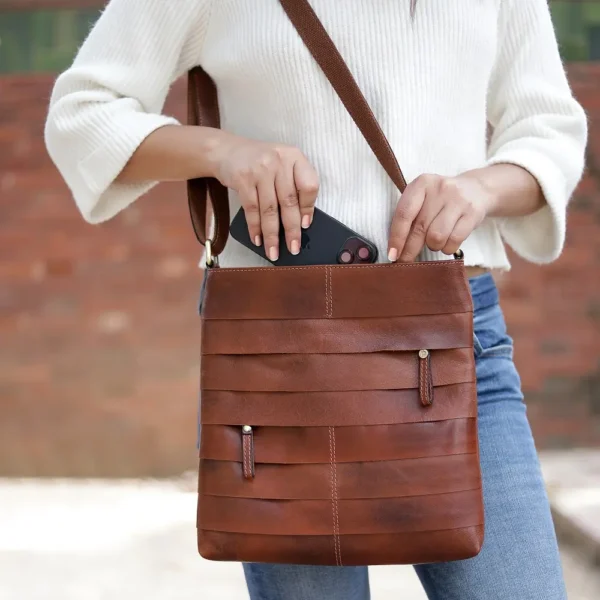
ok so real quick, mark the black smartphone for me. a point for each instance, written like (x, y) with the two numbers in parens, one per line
(325, 242)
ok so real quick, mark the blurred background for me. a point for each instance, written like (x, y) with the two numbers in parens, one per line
(99, 349)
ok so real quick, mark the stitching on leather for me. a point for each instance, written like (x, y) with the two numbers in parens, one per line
(249, 447)
(333, 498)
(252, 459)
(248, 455)
(430, 381)
(329, 292)
(436, 263)
(425, 381)
(336, 519)
(327, 273)
(245, 445)
(426, 377)
(421, 379)
(337, 513)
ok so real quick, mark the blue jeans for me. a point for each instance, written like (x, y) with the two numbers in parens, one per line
(520, 559)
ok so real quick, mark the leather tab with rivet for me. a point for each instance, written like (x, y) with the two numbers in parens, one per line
(248, 452)
(425, 378)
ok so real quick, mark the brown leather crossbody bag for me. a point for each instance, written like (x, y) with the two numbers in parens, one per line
(339, 404)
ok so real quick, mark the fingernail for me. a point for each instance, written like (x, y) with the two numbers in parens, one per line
(273, 253)
(257, 240)
(295, 247)
(305, 221)
(393, 255)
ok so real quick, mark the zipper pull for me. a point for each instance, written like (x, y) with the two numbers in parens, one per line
(248, 452)
(425, 378)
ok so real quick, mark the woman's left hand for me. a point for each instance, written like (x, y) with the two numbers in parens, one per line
(437, 212)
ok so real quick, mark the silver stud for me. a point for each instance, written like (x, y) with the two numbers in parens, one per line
(423, 353)
(247, 429)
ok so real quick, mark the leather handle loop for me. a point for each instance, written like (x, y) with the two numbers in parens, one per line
(203, 109)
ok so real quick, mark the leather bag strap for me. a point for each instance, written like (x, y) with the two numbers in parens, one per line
(203, 110)
(325, 53)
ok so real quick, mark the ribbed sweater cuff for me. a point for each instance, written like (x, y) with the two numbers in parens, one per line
(538, 237)
(101, 198)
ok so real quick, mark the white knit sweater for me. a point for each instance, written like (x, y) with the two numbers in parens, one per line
(434, 84)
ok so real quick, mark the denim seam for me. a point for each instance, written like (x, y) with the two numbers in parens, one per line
(505, 350)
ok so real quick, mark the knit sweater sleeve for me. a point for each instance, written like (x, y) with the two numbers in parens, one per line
(111, 98)
(537, 124)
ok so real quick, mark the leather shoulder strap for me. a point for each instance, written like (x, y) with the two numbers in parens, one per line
(203, 110)
(327, 56)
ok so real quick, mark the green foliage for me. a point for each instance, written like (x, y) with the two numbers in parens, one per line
(574, 49)
(42, 40)
(573, 22)
(47, 40)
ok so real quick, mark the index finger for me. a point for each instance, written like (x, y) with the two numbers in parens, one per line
(407, 211)
(307, 184)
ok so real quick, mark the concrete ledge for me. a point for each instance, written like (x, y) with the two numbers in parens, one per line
(573, 482)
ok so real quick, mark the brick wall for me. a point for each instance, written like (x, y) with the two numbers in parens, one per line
(553, 312)
(98, 325)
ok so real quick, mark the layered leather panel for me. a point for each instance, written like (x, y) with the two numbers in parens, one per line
(332, 372)
(382, 549)
(380, 479)
(311, 409)
(325, 336)
(265, 293)
(365, 516)
(337, 292)
(381, 296)
(362, 443)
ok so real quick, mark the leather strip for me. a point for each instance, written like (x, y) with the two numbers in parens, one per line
(322, 336)
(344, 481)
(324, 51)
(248, 467)
(203, 110)
(425, 379)
(331, 372)
(382, 549)
(313, 517)
(363, 443)
(380, 407)
(386, 290)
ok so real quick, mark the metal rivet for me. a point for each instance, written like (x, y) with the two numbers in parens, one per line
(247, 429)
(423, 353)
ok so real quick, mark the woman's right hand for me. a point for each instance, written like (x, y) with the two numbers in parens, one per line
(268, 178)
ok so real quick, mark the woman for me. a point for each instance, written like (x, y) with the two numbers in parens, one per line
(473, 97)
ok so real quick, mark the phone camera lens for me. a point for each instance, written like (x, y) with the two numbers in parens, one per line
(364, 253)
(346, 257)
